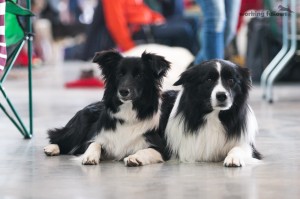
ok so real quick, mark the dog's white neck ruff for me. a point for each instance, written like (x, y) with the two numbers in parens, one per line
(207, 144)
(128, 136)
(126, 113)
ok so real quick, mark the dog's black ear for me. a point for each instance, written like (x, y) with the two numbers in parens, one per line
(178, 82)
(245, 77)
(182, 79)
(157, 63)
(245, 73)
(107, 61)
(186, 76)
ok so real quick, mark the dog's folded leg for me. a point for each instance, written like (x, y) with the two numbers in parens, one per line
(52, 150)
(143, 157)
(92, 154)
(237, 156)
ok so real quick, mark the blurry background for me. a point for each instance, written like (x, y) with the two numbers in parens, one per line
(74, 29)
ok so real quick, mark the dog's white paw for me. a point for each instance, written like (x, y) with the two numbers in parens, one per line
(143, 157)
(52, 150)
(234, 161)
(133, 161)
(91, 158)
(92, 154)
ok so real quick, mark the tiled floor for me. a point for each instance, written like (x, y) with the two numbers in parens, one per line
(25, 172)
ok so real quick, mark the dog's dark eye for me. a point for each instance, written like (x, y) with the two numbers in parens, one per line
(230, 82)
(209, 80)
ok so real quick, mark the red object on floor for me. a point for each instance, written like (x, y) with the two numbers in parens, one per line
(85, 83)
(22, 59)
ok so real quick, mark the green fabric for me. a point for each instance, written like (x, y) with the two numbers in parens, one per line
(13, 30)
(15, 9)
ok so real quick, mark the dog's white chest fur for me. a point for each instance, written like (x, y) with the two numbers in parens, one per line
(128, 136)
(207, 144)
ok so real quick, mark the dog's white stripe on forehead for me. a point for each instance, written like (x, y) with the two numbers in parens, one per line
(219, 85)
(218, 66)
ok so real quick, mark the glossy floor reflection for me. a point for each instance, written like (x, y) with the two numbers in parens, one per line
(25, 172)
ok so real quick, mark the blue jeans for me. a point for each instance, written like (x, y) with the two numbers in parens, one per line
(220, 19)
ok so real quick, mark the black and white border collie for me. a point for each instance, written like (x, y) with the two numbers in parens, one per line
(209, 119)
(124, 124)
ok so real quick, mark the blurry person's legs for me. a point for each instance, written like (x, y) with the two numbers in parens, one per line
(176, 33)
(212, 33)
(43, 42)
(232, 8)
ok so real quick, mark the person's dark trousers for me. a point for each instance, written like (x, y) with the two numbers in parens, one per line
(176, 32)
(98, 36)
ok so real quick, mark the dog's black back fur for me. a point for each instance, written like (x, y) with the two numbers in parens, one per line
(142, 76)
(78, 133)
(168, 100)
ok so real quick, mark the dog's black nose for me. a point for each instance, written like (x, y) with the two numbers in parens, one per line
(221, 96)
(124, 92)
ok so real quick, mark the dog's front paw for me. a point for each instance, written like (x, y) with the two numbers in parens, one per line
(52, 150)
(92, 154)
(91, 159)
(234, 161)
(132, 161)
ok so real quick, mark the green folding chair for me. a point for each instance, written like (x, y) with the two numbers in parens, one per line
(17, 36)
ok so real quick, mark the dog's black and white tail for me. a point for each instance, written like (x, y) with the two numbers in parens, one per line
(75, 137)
